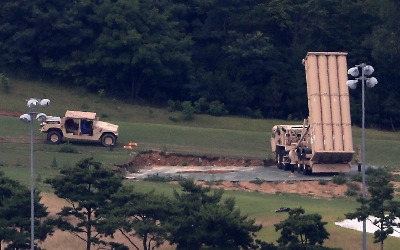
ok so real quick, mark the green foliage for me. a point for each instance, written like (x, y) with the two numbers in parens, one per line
(322, 182)
(217, 108)
(158, 178)
(187, 111)
(219, 225)
(201, 105)
(87, 187)
(4, 81)
(15, 205)
(150, 52)
(357, 177)
(174, 106)
(352, 189)
(299, 229)
(139, 215)
(54, 163)
(68, 148)
(339, 179)
(379, 204)
(257, 181)
(255, 114)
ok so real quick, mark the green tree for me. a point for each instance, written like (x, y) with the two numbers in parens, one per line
(15, 223)
(139, 43)
(139, 215)
(87, 187)
(205, 220)
(302, 229)
(379, 205)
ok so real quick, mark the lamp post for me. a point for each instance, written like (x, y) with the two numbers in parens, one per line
(32, 103)
(366, 70)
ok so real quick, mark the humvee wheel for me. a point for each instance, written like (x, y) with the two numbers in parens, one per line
(300, 168)
(54, 137)
(307, 170)
(108, 140)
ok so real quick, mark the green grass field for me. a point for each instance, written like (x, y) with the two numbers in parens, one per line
(151, 128)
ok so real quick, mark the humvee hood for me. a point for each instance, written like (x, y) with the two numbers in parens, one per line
(107, 126)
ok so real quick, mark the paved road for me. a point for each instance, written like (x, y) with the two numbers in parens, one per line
(230, 173)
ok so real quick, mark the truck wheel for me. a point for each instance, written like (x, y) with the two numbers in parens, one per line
(306, 170)
(54, 137)
(287, 167)
(108, 140)
(300, 168)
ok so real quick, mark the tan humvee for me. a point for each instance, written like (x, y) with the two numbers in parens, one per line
(79, 125)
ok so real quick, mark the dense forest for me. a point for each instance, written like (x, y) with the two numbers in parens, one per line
(242, 55)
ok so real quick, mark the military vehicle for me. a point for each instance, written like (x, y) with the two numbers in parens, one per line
(324, 142)
(79, 125)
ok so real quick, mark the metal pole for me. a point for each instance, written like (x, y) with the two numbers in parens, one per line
(363, 153)
(32, 188)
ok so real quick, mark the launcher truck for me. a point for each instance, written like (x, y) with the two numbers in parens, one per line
(324, 142)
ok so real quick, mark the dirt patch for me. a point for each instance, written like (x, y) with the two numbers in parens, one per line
(159, 158)
(10, 113)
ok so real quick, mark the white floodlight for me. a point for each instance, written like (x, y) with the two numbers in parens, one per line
(32, 103)
(41, 117)
(45, 102)
(368, 70)
(353, 72)
(371, 82)
(25, 118)
(352, 84)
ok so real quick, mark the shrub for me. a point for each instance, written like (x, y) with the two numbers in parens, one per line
(352, 189)
(54, 164)
(322, 182)
(67, 148)
(339, 179)
(174, 119)
(357, 177)
(174, 106)
(201, 105)
(5, 83)
(257, 181)
(187, 111)
(216, 108)
(255, 114)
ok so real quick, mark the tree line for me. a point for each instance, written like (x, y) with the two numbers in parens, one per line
(242, 56)
(195, 217)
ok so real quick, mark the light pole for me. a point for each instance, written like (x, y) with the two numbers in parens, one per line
(32, 103)
(366, 70)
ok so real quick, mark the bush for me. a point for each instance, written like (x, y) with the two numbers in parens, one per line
(187, 111)
(255, 114)
(216, 108)
(5, 83)
(357, 177)
(54, 164)
(257, 181)
(352, 189)
(67, 148)
(174, 119)
(322, 182)
(339, 179)
(174, 106)
(201, 105)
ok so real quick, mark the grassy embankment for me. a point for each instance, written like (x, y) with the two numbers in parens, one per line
(151, 129)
